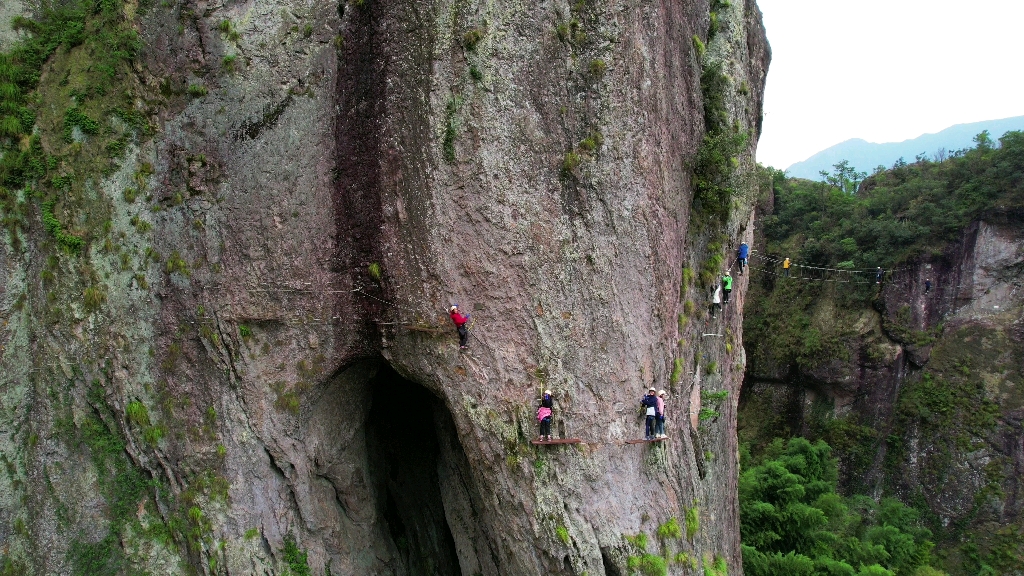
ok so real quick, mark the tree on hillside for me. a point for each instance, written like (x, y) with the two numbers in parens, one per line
(983, 141)
(844, 177)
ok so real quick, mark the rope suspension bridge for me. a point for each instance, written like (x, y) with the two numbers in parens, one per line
(948, 295)
(774, 266)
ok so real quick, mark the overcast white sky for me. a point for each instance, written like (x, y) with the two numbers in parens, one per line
(886, 70)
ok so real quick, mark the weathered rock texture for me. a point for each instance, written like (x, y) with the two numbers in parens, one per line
(353, 170)
(925, 402)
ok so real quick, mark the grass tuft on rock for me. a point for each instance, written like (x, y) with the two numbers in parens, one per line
(692, 522)
(295, 558)
(472, 38)
(648, 565)
(670, 530)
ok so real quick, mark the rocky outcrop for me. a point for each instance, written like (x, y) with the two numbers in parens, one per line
(924, 400)
(265, 376)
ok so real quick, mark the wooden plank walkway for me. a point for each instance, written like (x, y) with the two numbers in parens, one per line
(556, 441)
(642, 441)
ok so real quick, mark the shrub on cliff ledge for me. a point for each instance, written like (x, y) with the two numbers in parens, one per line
(699, 46)
(670, 530)
(295, 558)
(69, 242)
(718, 567)
(228, 29)
(677, 371)
(472, 38)
(692, 522)
(571, 162)
(451, 111)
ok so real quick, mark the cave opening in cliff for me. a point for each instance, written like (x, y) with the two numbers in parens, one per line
(408, 440)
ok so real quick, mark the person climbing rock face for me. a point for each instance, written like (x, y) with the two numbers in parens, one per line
(650, 404)
(726, 287)
(716, 300)
(659, 430)
(460, 325)
(544, 415)
(878, 275)
(927, 285)
(785, 267)
(741, 256)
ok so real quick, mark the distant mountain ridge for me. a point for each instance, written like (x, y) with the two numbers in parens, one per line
(866, 156)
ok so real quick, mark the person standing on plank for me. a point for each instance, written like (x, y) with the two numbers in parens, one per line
(785, 267)
(927, 285)
(460, 325)
(741, 256)
(716, 300)
(659, 430)
(878, 276)
(650, 407)
(726, 287)
(544, 415)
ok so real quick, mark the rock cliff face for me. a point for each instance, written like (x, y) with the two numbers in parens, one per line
(924, 402)
(256, 372)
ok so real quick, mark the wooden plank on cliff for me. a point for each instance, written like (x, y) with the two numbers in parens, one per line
(641, 441)
(558, 441)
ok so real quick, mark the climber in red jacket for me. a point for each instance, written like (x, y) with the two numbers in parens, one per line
(460, 325)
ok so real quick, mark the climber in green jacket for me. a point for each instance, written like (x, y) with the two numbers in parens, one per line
(726, 287)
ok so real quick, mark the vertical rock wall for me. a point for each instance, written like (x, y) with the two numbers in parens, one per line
(924, 402)
(347, 172)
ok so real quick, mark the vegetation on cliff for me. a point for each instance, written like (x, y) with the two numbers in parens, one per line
(716, 161)
(69, 110)
(71, 67)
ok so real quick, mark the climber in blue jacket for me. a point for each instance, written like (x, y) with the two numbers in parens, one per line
(649, 403)
(741, 256)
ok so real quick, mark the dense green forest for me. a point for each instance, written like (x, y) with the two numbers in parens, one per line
(804, 506)
(793, 522)
(849, 221)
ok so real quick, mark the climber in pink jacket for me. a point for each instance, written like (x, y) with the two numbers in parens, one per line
(659, 428)
(544, 416)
